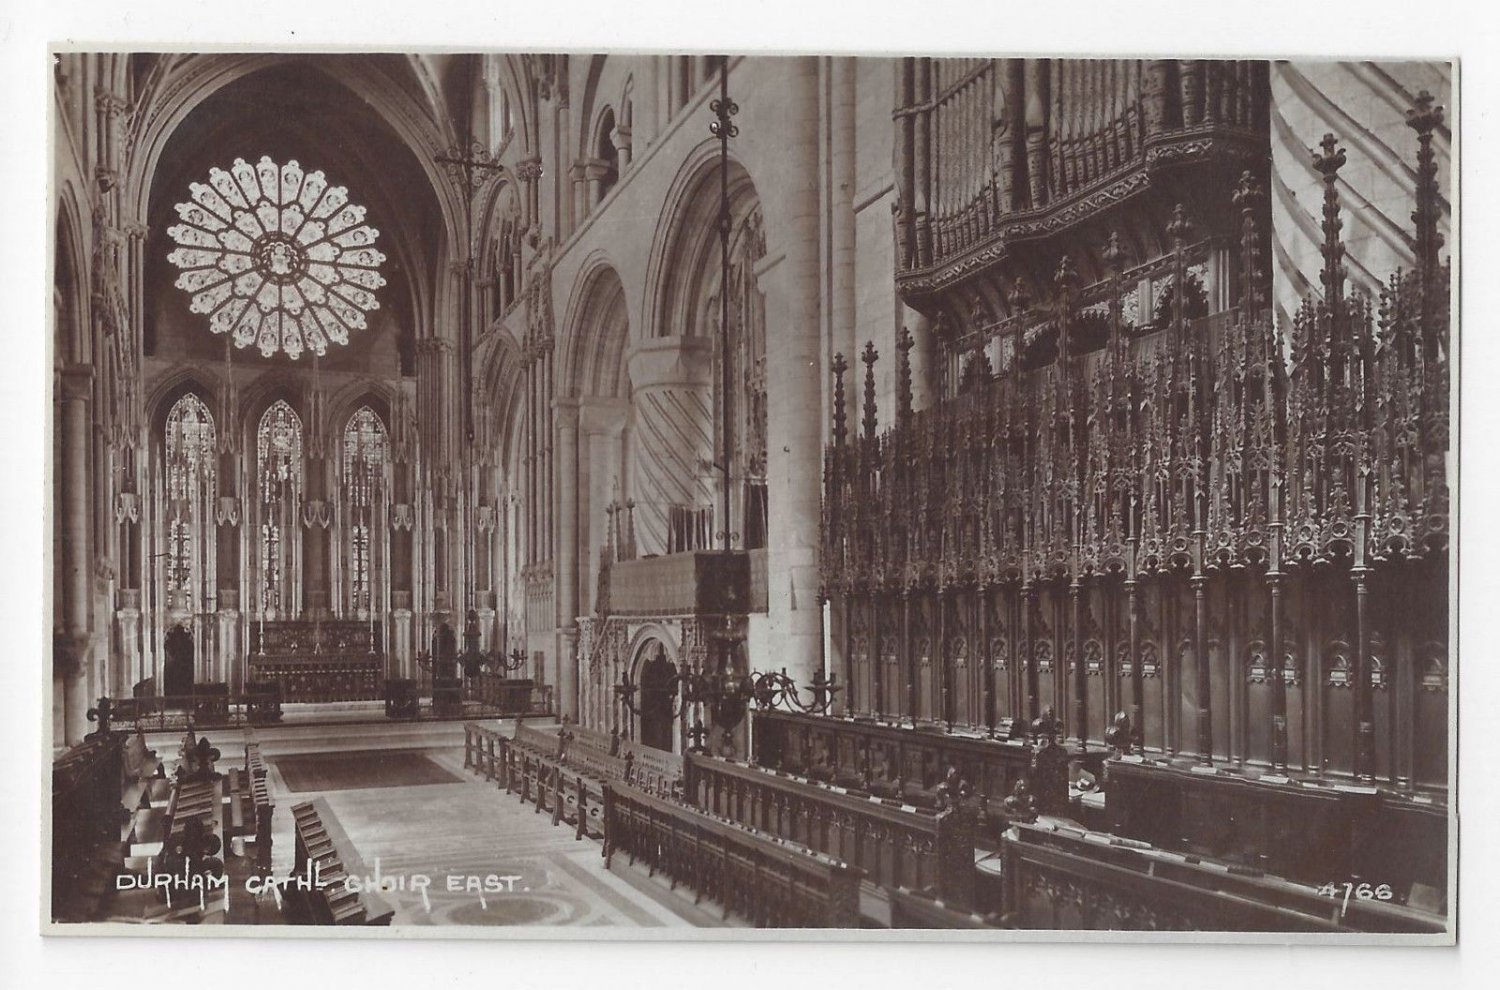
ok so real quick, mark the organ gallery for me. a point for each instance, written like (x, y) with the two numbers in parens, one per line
(752, 491)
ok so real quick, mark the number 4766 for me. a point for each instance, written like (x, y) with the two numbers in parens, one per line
(1357, 891)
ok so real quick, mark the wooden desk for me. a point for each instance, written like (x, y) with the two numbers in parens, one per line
(1310, 831)
(1058, 876)
(896, 845)
(868, 754)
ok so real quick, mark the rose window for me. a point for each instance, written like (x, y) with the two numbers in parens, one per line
(276, 257)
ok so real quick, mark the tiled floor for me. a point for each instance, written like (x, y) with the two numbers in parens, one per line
(466, 839)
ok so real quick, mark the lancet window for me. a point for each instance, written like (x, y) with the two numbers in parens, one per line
(278, 448)
(190, 451)
(365, 469)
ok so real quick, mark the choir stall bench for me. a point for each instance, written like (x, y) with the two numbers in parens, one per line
(561, 769)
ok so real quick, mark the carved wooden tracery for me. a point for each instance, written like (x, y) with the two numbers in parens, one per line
(1206, 481)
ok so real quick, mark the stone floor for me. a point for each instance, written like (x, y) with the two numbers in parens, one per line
(488, 860)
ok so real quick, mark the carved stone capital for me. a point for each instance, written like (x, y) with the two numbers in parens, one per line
(110, 103)
(76, 381)
(529, 169)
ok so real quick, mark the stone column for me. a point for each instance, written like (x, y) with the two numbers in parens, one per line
(794, 387)
(76, 387)
(601, 425)
(228, 638)
(594, 173)
(923, 366)
(841, 226)
(566, 555)
(400, 644)
(669, 379)
(620, 138)
(577, 175)
(126, 670)
(128, 632)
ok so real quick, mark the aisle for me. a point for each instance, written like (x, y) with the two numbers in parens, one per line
(509, 865)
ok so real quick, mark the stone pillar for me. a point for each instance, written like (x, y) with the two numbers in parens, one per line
(228, 639)
(923, 366)
(841, 226)
(601, 425)
(128, 633)
(620, 138)
(567, 555)
(577, 175)
(794, 388)
(400, 643)
(76, 387)
(594, 173)
(669, 379)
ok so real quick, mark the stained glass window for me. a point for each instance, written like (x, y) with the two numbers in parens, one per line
(189, 476)
(366, 451)
(276, 257)
(278, 448)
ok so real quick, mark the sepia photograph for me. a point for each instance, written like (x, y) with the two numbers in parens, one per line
(620, 494)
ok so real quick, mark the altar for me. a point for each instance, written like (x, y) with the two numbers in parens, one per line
(319, 660)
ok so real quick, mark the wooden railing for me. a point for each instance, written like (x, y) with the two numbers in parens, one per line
(1057, 877)
(895, 844)
(562, 769)
(770, 881)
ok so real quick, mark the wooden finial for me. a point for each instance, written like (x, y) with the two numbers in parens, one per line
(840, 416)
(869, 357)
(1248, 198)
(904, 344)
(1424, 118)
(1328, 164)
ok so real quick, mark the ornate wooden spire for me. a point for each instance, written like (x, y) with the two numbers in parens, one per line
(840, 414)
(1328, 164)
(1178, 230)
(1424, 118)
(1248, 198)
(1114, 260)
(904, 344)
(869, 357)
